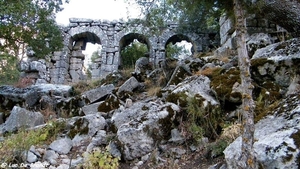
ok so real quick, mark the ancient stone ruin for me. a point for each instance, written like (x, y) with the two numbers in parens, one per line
(67, 66)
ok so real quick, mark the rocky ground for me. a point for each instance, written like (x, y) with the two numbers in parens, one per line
(185, 114)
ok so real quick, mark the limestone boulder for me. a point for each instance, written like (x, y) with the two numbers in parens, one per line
(141, 125)
(257, 41)
(276, 138)
(86, 125)
(22, 118)
(99, 93)
(278, 63)
(62, 145)
(190, 87)
(128, 86)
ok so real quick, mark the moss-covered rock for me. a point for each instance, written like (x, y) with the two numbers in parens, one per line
(109, 104)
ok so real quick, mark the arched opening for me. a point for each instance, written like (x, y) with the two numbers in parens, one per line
(179, 46)
(132, 47)
(85, 56)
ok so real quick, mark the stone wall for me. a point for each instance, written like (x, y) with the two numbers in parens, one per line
(254, 25)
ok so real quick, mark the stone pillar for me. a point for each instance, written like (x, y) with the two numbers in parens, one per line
(77, 62)
(58, 69)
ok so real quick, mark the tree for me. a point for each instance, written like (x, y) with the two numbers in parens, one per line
(247, 159)
(238, 9)
(29, 23)
(174, 51)
(132, 52)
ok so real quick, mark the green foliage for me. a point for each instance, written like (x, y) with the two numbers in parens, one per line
(173, 51)
(101, 159)
(14, 145)
(218, 147)
(131, 53)
(9, 73)
(29, 23)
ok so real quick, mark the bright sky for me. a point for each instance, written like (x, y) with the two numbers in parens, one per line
(96, 9)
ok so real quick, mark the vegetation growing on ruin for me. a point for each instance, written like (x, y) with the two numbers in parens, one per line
(15, 144)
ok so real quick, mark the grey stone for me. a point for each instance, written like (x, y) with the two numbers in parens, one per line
(20, 117)
(31, 157)
(134, 124)
(98, 140)
(142, 65)
(37, 66)
(80, 20)
(62, 145)
(98, 93)
(177, 152)
(176, 137)
(51, 157)
(274, 138)
(96, 123)
(114, 151)
(130, 84)
(91, 108)
(63, 166)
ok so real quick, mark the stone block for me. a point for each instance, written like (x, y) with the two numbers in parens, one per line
(37, 66)
(227, 27)
(80, 20)
(110, 58)
(91, 109)
(76, 66)
(98, 93)
(78, 54)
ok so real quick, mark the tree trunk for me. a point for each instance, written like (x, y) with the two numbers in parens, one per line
(247, 159)
(283, 13)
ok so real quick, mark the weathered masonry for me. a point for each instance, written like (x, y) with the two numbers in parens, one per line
(67, 65)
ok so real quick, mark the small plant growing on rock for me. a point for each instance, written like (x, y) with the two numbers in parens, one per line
(14, 145)
(203, 119)
(100, 159)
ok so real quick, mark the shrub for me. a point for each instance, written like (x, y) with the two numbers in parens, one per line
(14, 145)
(203, 120)
(100, 159)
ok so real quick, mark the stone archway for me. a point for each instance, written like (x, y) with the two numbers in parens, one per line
(128, 39)
(179, 38)
(77, 44)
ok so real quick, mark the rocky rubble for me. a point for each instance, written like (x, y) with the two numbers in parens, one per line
(143, 130)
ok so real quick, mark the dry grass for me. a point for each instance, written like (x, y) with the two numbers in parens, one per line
(48, 114)
(25, 82)
(153, 91)
(208, 71)
(126, 72)
(230, 133)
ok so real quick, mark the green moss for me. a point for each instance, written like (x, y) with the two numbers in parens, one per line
(180, 75)
(110, 103)
(296, 137)
(260, 62)
(177, 98)
(166, 123)
(217, 147)
(266, 97)
(79, 127)
(144, 108)
(222, 82)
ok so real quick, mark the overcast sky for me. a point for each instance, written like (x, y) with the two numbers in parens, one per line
(96, 9)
